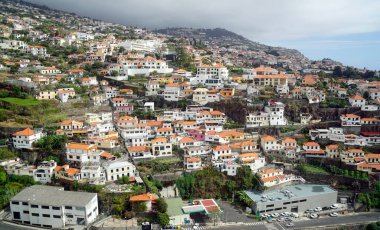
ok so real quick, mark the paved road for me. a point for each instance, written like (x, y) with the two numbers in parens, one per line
(347, 219)
(232, 214)
(4, 226)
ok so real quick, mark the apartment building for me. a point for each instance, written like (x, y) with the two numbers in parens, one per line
(52, 207)
(25, 138)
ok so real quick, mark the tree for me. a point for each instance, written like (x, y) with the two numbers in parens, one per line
(139, 207)
(163, 219)
(14, 69)
(6, 154)
(244, 178)
(372, 226)
(3, 178)
(338, 71)
(123, 180)
(114, 73)
(161, 205)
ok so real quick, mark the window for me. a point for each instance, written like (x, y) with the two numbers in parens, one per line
(285, 203)
(35, 214)
(34, 206)
(16, 215)
(45, 207)
(270, 205)
(69, 216)
(277, 209)
(56, 208)
(296, 201)
(45, 215)
(303, 200)
(68, 207)
(57, 216)
(15, 202)
(25, 212)
(24, 203)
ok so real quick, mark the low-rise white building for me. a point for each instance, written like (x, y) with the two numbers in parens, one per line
(52, 207)
(25, 138)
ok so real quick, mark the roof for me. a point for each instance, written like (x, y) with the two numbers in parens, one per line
(332, 147)
(268, 138)
(355, 151)
(79, 146)
(289, 140)
(376, 156)
(187, 140)
(297, 191)
(144, 197)
(137, 148)
(221, 148)
(350, 115)
(106, 155)
(193, 159)
(47, 195)
(25, 132)
(174, 206)
(72, 171)
(311, 143)
(357, 97)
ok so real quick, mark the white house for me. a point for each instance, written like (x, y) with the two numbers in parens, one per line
(357, 101)
(350, 120)
(53, 207)
(118, 169)
(25, 138)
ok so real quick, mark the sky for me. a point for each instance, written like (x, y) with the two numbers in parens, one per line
(344, 30)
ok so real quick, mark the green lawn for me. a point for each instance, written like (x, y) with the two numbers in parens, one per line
(306, 168)
(21, 102)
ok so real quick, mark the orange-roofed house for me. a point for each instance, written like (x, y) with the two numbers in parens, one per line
(172, 92)
(369, 121)
(66, 173)
(264, 70)
(217, 71)
(25, 138)
(350, 120)
(270, 80)
(313, 149)
(39, 51)
(193, 163)
(357, 101)
(161, 147)
(139, 153)
(221, 151)
(71, 125)
(187, 142)
(213, 116)
(244, 146)
(82, 153)
(164, 131)
(372, 158)
(333, 151)
(269, 143)
(252, 160)
(50, 70)
(351, 156)
(289, 143)
(148, 198)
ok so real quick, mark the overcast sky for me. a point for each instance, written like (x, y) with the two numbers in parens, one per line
(332, 25)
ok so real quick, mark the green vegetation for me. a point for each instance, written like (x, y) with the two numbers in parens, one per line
(163, 219)
(153, 185)
(334, 103)
(10, 185)
(306, 168)
(287, 129)
(371, 199)
(160, 165)
(6, 154)
(123, 180)
(21, 102)
(210, 183)
(52, 142)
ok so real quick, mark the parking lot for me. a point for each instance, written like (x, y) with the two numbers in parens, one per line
(232, 214)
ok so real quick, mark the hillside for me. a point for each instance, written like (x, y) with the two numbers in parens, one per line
(227, 38)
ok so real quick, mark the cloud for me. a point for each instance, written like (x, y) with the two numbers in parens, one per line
(259, 20)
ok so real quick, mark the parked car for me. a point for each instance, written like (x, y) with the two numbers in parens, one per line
(289, 225)
(334, 206)
(275, 215)
(309, 211)
(314, 216)
(281, 219)
(318, 209)
(333, 214)
(295, 215)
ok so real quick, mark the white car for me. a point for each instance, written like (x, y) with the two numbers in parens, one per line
(275, 215)
(196, 226)
(295, 215)
(289, 225)
(334, 214)
(314, 216)
(334, 206)
(309, 211)
(318, 209)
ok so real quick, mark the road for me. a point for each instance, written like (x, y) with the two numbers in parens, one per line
(341, 220)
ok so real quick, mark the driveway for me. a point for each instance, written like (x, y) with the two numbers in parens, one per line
(232, 214)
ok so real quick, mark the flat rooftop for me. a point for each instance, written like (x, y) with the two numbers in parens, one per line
(54, 196)
(290, 193)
